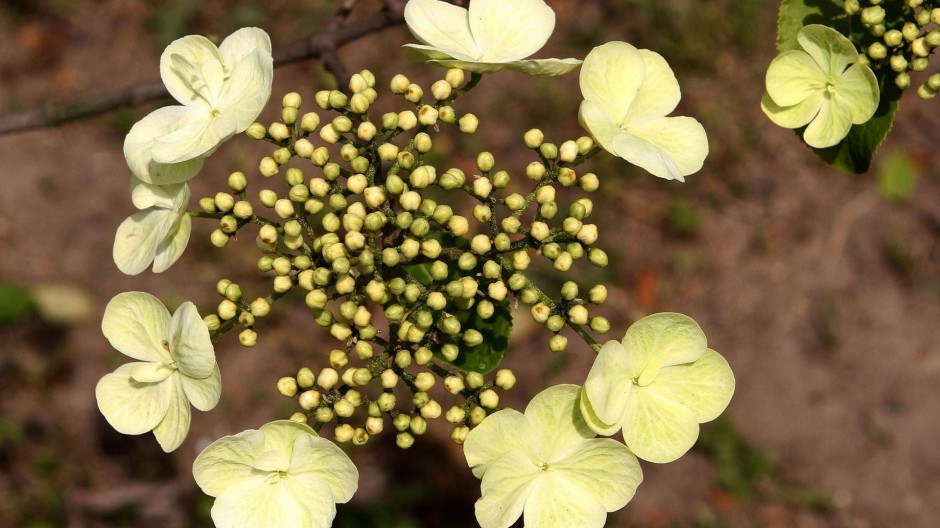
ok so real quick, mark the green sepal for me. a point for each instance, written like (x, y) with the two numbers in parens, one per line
(15, 303)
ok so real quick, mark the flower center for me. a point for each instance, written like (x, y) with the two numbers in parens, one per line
(543, 466)
(830, 88)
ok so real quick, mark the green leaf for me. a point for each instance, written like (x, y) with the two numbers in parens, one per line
(855, 153)
(486, 356)
(15, 303)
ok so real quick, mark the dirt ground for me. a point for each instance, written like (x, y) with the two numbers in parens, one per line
(823, 295)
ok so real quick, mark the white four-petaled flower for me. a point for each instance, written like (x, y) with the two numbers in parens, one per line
(488, 36)
(627, 95)
(280, 476)
(547, 465)
(658, 385)
(221, 89)
(158, 233)
(176, 367)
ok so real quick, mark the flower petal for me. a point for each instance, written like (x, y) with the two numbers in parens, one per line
(280, 434)
(135, 323)
(172, 430)
(130, 407)
(661, 340)
(145, 195)
(830, 126)
(595, 120)
(611, 76)
(227, 461)
(657, 428)
(422, 52)
(204, 393)
(659, 92)
(556, 418)
(138, 237)
(442, 26)
(607, 388)
(705, 386)
(271, 502)
(177, 73)
(243, 42)
(544, 67)
(858, 90)
(315, 457)
(172, 247)
(604, 468)
(197, 135)
(497, 434)
(506, 487)
(190, 344)
(792, 77)
(555, 502)
(247, 91)
(795, 116)
(311, 494)
(138, 147)
(150, 372)
(829, 48)
(508, 31)
(669, 147)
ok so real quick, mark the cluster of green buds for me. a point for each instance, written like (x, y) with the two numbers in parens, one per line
(905, 34)
(375, 235)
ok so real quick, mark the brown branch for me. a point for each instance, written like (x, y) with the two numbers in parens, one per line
(316, 46)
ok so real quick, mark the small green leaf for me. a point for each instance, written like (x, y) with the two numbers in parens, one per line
(486, 356)
(15, 303)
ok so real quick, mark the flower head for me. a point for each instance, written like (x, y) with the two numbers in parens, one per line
(221, 89)
(658, 384)
(488, 36)
(280, 476)
(627, 94)
(176, 367)
(823, 86)
(158, 234)
(547, 465)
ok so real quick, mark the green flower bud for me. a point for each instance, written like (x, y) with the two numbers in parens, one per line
(533, 138)
(338, 99)
(447, 114)
(558, 343)
(287, 386)
(919, 64)
(920, 48)
(256, 131)
(458, 225)
(228, 224)
(468, 123)
(548, 150)
(535, 170)
(597, 257)
(926, 92)
(427, 116)
(281, 155)
(309, 122)
(282, 284)
(589, 182)
(482, 187)
(454, 77)
(207, 205)
(260, 307)
(497, 290)
(213, 322)
(555, 323)
(320, 156)
(489, 399)
(485, 161)
(441, 90)
(309, 400)
(477, 415)
(873, 15)
(423, 356)
(423, 176)
(423, 143)
(505, 379)
(279, 131)
(390, 121)
(600, 324)
(578, 315)
(902, 80)
(399, 84)
(541, 312)
(529, 296)
(480, 244)
(472, 338)
(521, 260)
(324, 414)
(374, 425)
(449, 325)
(248, 338)
(359, 103)
(407, 120)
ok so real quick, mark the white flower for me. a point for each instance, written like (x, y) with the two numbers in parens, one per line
(627, 94)
(177, 367)
(489, 36)
(158, 234)
(547, 464)
(222, 91)
(280, 476)
(658, 384)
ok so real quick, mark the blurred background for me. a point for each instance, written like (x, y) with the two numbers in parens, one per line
(821, 289)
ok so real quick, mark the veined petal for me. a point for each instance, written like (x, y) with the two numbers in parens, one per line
(501, 432)
(172, 247)
(596, 424)
(544, 67)
(670, 147)
(279, 435)
(315, 457)
(829, 48)
(508, 31)
(150, 372)
(704, 386)
(195, 136)
(423, 52)
(247, 90)
(506, 487)
(661, 340)
(793, 77)
(598, 123)
(608, 386)
(441, 25)
(659, 93)
(130, 407)
(145, 195)
(657, 428)
(555, 502)
(795, 116)
(858, 90)
(243, 42)
(556, 418)
(269, 501)
(311, 494)
(177, 74)
(190, 344)
(830, 126)
(204, 393)
(611, 76)
(138, 147)
(604, 468)
(172, 430)
(227, 461)
(138, 237)
(470, 65)
(135, 323)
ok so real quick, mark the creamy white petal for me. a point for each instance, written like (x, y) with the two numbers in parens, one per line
(608, 386)
(555, 502)
(661, 340)
(506, 487)
(508, 31)
(611, 76)
(556, 418)
(544, 67)
(136, 323)
(441, 25)
(596, 122)
(190, 344)
(793, 77)
(172, 430)
(423, 52)
(151, 372)
(197, 135)
(497, 434)
(603, 468)
(247, 91)
(172, 247)
(279, 435)
(596, 424)
(830, 126)
(795, 116)
(130, 407)
(270, 502)
(145, 195)
(668, 147)
(138, 147)
(243, 42)
(659, 92)
(138, 237)
(180, 67)
(204, 393)
(227, 461)
(656, 427)
(832, 51)
(705, 386)
(315, 457)
(858, 90)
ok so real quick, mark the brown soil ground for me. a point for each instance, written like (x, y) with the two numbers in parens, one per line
(824, 297)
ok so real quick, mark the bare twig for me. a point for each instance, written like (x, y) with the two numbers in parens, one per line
(320, 45)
